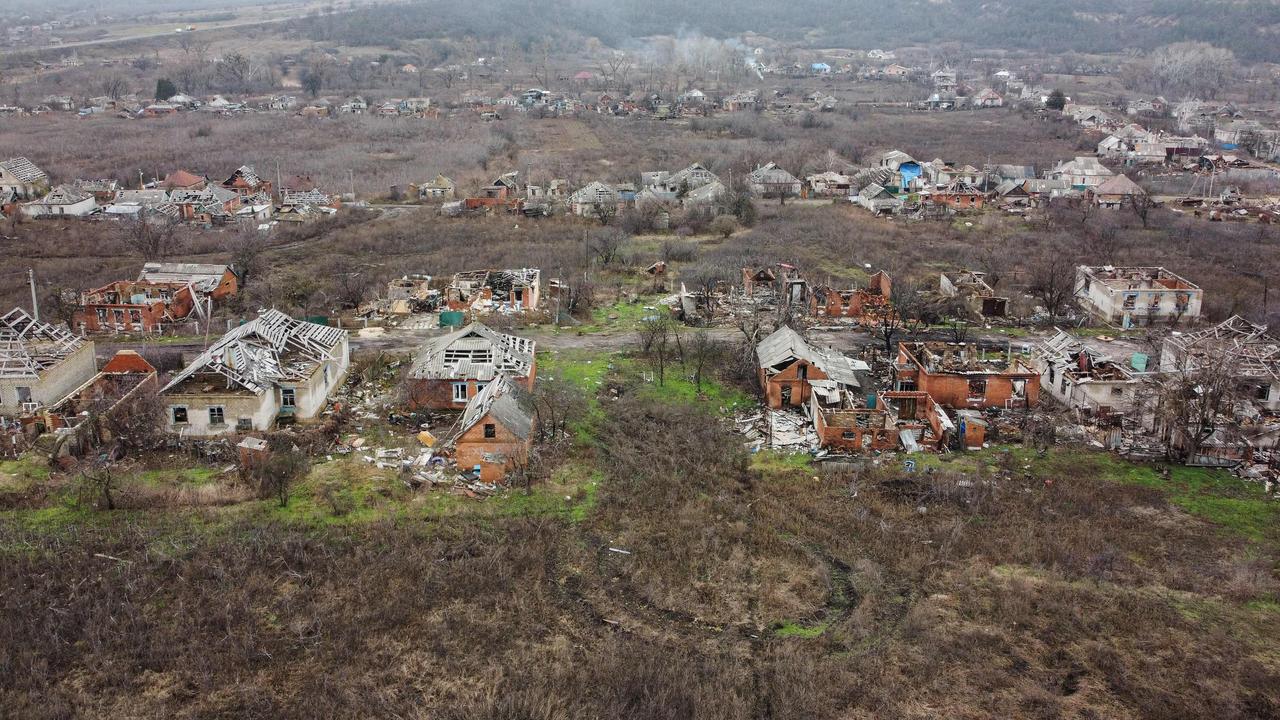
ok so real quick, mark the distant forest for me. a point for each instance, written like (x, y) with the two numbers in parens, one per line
(1249, 28)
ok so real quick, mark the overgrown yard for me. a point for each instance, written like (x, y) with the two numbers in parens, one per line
(661, 571)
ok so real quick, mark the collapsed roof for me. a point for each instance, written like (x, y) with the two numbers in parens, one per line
(1254, 353)
(270, 349)
(28, 347)
(474, 352)
(503, 401)
(204, 278)
(785, 346)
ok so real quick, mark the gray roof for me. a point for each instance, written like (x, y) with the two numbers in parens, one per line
(785, 346)
(24, 170)
(474, 352)
(271, 348)
(204, 277)
(503, 401)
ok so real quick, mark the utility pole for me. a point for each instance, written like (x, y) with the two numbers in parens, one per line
(35, 304)
(351, 178)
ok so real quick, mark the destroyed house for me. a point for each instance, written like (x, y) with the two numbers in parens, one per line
(971, 287)
(40, 364)
(855, 303)
(245, 182)
(1083, 379)
(513, 290)
(911, 421)
(789, 367)
(135, 306)
(966, 376)
(216, 281)
(273, 368)
(451, 369)
(781, 281)
(124, 377)
(1252, 354)
(23, 178)
(1136, 296)
(495, 434)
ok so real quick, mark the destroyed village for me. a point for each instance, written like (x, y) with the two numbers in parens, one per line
(640, 360)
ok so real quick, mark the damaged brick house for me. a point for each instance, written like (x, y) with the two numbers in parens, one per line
(788, 368)
(514, 290)
(211, 281)
(495, 434)
(125, 377)
(246, 183)
(966, 376)
(910, 421)
(971, 287)
(40, 364)
(857, 303)
(271, 369)
(135, 306)
(449, 370)
(1136, 296)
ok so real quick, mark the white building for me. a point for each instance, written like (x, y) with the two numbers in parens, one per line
(272, 369)
(1083, 379)
(1136, 296)
(40, 364)
(62, 201)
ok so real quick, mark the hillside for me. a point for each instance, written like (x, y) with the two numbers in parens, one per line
(1247, 27)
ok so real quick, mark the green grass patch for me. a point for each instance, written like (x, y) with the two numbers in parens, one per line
(793, 629)
(179, 476)
(19, 473)
(622, 316)
(773, 462)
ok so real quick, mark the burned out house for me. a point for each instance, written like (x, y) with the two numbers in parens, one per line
(126, 377)
(789, 369)
(892, 420)
(135, 306)
(966, 376)
(449, 370)
(40, 364)
(1136, 296)
(971, 288)
(855, 303)
(1084, 379)
(412, 294)
(483, 291)
(269, 370)
(780, 282)
(495, 434)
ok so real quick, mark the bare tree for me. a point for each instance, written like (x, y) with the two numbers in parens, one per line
(1052, 282)
(658, 343)
(605, 212)
(275, 475)
(1194, 407)
(704, 353)
(246, 255)
(706, 278)
(153, 238)
(1142, 204)
(607, 245)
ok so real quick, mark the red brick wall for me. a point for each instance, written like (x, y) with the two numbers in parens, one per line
(472, 446)
(789, 377)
